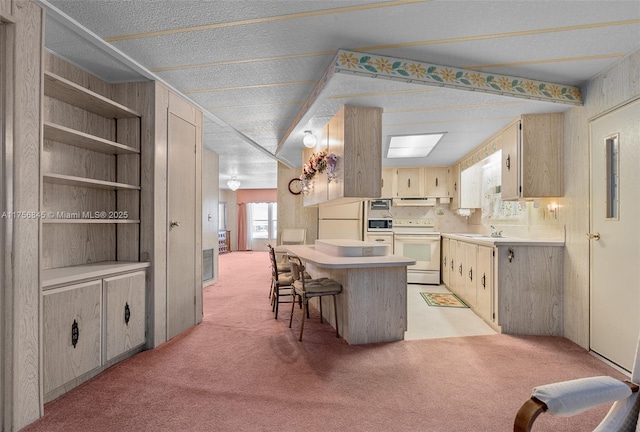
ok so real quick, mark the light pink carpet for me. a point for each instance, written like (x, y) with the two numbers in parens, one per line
(241, 370)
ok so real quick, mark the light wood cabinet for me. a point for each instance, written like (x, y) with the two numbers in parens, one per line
(410, 182)
(484, 280)
(469, 293)
(532, 162)
(124, 312)
(72, 326)
(436, 182)
(454, 182)
(515, 289)
(387, 188)
(91, 198)
(529, 290)
(354, 135)
(446, 261)
(379, 238)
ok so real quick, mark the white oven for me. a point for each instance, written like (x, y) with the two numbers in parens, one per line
(416, 239)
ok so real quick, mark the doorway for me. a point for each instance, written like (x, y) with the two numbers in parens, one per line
(615, 234)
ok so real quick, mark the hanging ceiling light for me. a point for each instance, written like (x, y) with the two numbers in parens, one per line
(234, 183)
(309, 139)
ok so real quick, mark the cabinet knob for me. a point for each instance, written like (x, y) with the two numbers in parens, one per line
(127, 313)
(471, 274)
(484, 280)
(436, 181)
(511, 255)
(460, 269)
(508, 162)
(174, 223)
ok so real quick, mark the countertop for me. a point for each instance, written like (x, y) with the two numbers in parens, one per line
(310, 254)
(486, 240)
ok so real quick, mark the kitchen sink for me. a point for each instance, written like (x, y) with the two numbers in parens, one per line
(480, 236)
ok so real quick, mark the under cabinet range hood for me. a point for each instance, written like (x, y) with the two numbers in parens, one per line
(415, 202)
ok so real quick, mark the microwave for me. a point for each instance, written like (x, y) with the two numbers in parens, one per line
(380, 204)
(379, 224)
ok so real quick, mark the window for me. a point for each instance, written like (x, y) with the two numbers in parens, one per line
(264, 224)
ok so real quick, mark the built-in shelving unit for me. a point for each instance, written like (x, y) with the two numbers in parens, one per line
(92, 279)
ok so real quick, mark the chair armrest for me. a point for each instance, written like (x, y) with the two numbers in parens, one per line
(571, 397)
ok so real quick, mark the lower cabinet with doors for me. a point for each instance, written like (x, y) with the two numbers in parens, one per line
(514, 287)
(90, 325)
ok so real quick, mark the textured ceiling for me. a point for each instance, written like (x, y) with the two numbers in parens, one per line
(252, 65)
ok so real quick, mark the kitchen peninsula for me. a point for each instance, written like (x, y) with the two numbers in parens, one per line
(373, 304)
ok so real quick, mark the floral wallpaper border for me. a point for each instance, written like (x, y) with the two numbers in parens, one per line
(484, 151)
(443, 76)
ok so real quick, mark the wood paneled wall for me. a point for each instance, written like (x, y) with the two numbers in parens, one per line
(22, 29)
(291, 213)
(613, 87)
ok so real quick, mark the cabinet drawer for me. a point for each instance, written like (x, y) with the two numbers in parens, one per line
(124, 311)
(80, 304)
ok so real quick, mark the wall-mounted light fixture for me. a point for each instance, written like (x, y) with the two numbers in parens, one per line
(309, 139)
(234, 183)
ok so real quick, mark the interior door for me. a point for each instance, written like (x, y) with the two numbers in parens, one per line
(615, 234)
(181, 283)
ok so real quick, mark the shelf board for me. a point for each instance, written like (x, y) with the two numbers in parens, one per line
(67, 91)
(76, 138)
(86, 182)
(52, 278)
(90, 221)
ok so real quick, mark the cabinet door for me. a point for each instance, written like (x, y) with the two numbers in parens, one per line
(124, 311)
(459, 283)
(454, 181)
(72, 332)
(436, 182)
(445, 261)
(453, 262)
(388, 175)
(510, 188)
(471, 273)
(410, 182)
(485, 282)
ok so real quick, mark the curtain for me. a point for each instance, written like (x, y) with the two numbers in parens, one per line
(242, 226)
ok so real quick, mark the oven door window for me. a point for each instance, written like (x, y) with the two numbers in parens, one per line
(426, 251)
(417, 251)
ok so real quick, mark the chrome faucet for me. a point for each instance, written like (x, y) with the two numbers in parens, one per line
(495, 233)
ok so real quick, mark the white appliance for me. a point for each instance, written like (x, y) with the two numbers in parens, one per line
(417, 239)
(379, 224)
(343, 221)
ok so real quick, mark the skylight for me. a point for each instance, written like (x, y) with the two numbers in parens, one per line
(409, 146)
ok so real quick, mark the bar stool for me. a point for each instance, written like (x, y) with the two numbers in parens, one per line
(310, 288)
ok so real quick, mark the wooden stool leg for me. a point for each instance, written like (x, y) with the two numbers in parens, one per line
(305, 303)
(293, 305)
(335, 310)
(277, 303)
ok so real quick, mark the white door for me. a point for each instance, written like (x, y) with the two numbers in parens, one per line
(181, 201)
(615, 234)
